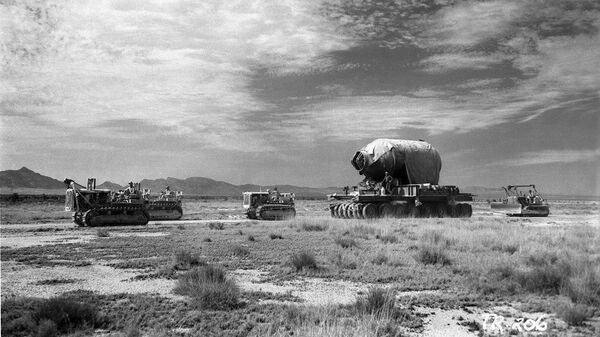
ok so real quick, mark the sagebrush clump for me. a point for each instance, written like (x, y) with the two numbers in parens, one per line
(209, 288)
(574, 314)
(185, 260)
(378, 301)
(432, 249)
(240, 251)
(303, 260)
(346, 242)
(216, 225)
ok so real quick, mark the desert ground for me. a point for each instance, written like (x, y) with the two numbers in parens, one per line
(215, 273)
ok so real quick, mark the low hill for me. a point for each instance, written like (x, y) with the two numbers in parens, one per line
(209, 187)
(26, 178)
(109, 185)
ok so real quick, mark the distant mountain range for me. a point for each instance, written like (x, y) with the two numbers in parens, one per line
(26, 181)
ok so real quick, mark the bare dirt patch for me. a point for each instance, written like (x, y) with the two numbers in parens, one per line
(41, 239)
(313, 291)
(22, 281)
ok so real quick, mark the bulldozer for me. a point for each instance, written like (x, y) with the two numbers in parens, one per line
(101, 207)
(517, 203)
(166, 206)
(401, 180)
(270, 205)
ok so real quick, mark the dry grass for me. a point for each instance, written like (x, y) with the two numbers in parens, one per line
(345, 242)
(374, 314)
(239, 251)
(378, 301)
(502, 258)
(380, 259)
(432, 249)
(574, 314)
(389, 238)
(49, 317)
(50, 211)
(185, 260)
(311, 223)
(216, 225)
(311, 227)
(209, 288)
(344, 260)
(303, 260)
(67, 315)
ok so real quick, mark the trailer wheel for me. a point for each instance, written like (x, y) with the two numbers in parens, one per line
(462, 210)
(332, 209)
(400, 211)
(337, 210)
(370, 211)
(453, 211)
(350, 211)
(344, 211)
(440, 211)
(386, 210)
(358, 214)
(426, 211)
(412, 211)
(289, 214)
(468, 211)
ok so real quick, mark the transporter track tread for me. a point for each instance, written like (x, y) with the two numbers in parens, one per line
(354, 210)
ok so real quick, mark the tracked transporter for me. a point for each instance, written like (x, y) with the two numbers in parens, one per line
(166, 206)
(517, 203)
(401, 180)
(100, 207)
(270, 205)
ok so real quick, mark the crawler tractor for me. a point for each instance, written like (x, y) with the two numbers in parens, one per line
(100, 207)
(269, 205)
(401, 180)
(167, 206)
(516, 203)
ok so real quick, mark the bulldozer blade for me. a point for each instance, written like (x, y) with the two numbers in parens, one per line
(506, 209)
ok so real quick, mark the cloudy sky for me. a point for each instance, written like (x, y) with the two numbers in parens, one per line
(285, 91)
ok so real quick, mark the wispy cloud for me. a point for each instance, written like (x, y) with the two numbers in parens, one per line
(553, 44)
(551, 157)
(178, 66)
(470, 23)
(433, 112)
(460, 61)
